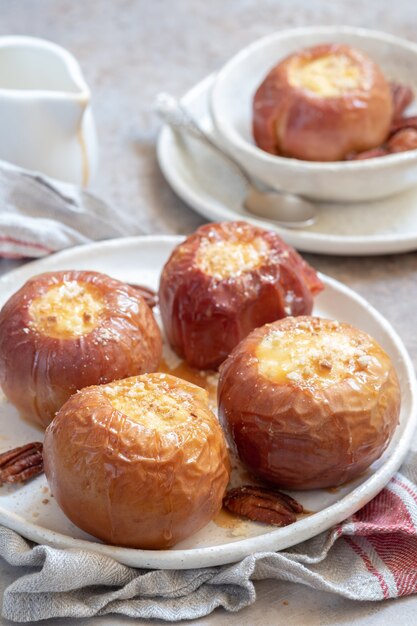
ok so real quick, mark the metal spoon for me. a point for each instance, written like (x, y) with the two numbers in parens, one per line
(287, 209)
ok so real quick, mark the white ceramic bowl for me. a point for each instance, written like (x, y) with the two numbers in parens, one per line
(231, 110)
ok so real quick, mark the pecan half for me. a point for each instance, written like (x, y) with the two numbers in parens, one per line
(367, 154)
(402, 96)
(403, 140)
(403, 122)
(20, 464)
(261, 504)
(148, 294)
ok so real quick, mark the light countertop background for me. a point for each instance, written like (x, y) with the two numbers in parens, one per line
(131, 49)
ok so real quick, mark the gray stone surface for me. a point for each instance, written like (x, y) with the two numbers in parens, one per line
(131, 49)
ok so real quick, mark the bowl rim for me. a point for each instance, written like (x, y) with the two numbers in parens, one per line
(227, 132)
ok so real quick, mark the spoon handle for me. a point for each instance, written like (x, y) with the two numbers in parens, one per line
(171, 111)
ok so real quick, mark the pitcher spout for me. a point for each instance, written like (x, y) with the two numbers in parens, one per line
(46, 122)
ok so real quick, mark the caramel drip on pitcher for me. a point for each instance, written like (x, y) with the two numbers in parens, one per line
(84, 156)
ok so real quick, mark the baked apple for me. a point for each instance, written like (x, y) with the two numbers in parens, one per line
(140, 462)
(225, 280)
(66, 330)
(321, 104)
(309, 402)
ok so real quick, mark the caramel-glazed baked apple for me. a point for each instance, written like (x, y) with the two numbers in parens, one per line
(140, 462)
(309, 402)
(225, 280)
(321, 104)
(65, 330)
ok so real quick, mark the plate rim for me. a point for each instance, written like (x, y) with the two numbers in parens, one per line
(313, 242)
(234, 551)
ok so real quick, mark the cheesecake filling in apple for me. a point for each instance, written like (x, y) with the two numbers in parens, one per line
(225, 259)
(69, 309)
(315, 359)
(328, 76)
(153, 403)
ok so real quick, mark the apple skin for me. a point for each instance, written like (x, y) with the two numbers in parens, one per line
(38, 373)
(306, 438)
(292, 121)
(205, 318)
(129, 484)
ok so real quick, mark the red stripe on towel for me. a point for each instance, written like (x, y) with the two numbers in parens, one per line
(19, 242)
(367, 562)
(399, 553)
(393, 536)
(11, 255)
(408, 489)
(386, 513)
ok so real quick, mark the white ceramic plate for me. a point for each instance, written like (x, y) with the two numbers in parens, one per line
(206, 182)
(31, 510)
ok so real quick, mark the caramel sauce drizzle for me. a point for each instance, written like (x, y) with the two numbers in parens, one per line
(205, 379)
(227, 520)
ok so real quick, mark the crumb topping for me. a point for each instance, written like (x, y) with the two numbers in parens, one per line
(154, 401)
(225, 259)
(318, 354)
(330, 75)
(69, 309)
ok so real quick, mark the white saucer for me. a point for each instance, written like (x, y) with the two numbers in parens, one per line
(210, 186)
(31, 511)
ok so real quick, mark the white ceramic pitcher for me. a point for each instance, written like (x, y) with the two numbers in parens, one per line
(46, 122)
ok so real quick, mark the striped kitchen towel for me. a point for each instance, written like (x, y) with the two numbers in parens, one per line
(40, 215)
(370, 556)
